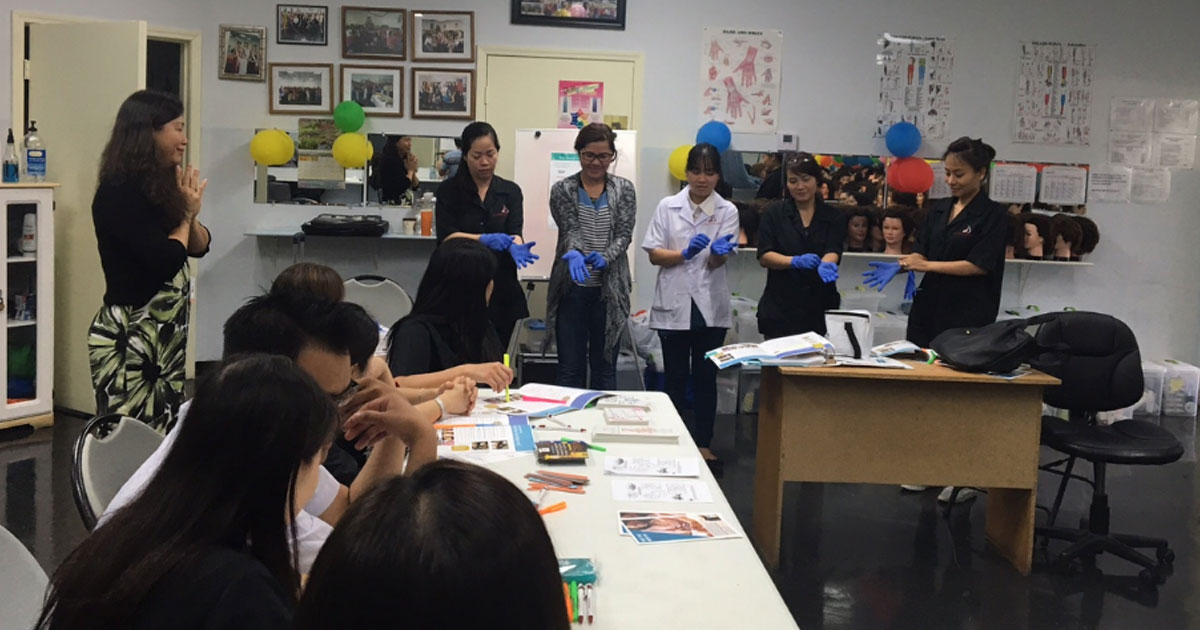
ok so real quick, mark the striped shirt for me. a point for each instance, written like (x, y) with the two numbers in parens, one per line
(595, 224)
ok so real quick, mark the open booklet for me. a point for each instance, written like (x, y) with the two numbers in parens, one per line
(536, 400)
(484, 438)
(806, 349)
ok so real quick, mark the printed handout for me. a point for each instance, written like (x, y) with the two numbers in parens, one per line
(652, 466)
(668, 527)
(661, 491)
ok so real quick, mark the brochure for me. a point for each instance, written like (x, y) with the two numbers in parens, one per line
(872, 362)
(536, 400)
(484, 442)
(649, 528)
(652, 466)
(662, 491)
(773, 350)
(906, 349)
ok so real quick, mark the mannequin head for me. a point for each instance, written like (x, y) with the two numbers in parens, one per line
(897, 227)
(1015, 247)
(1091, 235)
(1067, 235)
(1039, 235)
(876, 241)
(858, 229)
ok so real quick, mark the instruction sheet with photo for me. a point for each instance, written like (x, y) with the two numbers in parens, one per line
(739, 78)
(670, 527)
(1054, 94)
(652, 466)
(914, 84)
(661, 491)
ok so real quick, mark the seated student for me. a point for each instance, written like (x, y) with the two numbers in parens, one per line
(313, 335)
(206, 544)
(449, 325)
(413, 547)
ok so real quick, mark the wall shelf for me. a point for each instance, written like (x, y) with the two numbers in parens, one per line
(21, 259)
(1010, 261)
(292, 232)
(22, 323)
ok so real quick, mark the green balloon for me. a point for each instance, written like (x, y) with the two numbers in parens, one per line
(349, 116)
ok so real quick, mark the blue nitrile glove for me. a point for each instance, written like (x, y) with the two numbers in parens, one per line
(522, 254)
(910, 287)
(596, 260)
(724, 245)
(881, 274)
(827, 271)
(699, 243)
(496, 241)
(807, 261)
(575, 263)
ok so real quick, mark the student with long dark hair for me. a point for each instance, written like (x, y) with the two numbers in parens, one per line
(206, 544)
(479, 205)
(689, 239)
(395, 169)
(146, 215)
(414, 547)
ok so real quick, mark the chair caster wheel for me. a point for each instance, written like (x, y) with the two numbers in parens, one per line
(1166, 556)
(1151, 578)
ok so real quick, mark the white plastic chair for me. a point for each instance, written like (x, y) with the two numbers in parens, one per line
(22, 583)
(385, 300)
(109, 450)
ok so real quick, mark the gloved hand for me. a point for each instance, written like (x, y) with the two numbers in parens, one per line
(724, 245)
(828, 272)
(596, 260)
(575, 263)
(807, 261)
(910, 287)
(881, 274)
(522, 254)
(699, 243)
(496, 241)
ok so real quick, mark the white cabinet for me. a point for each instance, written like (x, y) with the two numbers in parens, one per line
(27, 307)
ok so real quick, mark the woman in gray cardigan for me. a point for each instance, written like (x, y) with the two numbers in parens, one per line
(590, 282)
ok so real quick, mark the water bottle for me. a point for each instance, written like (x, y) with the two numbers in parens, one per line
(12, 166)
(35, 155)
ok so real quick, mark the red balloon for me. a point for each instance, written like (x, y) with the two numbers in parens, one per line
(910, 175)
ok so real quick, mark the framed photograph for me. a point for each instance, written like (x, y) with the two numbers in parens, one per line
(243, 53)
(446, 93)
(379, 89)
(301, 88)
(374, 33)
(443, 36)
(302, 24)
(578, 13)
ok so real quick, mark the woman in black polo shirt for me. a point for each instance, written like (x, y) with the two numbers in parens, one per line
(480, 205)
(960, 248)
(800, 242)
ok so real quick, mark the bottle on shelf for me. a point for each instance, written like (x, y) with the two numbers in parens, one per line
(424, 207)
(35, 155)
(29, 234)
(12, 165)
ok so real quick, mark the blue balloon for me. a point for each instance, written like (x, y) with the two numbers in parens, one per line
(903, 139)
(715, 133)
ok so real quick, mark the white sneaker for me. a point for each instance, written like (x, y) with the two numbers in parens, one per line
(908, 487)
(964, 494)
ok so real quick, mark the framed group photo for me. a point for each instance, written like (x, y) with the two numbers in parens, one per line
(378, 89)
(443, 36)
(577, 13)
(301, 88)
(374, 33)
(445, 93)
(302, 24)
(243, 53)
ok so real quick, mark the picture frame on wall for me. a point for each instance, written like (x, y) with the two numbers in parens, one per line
(577, 13)
(243, 53)
(374, 33)
(301, 88)
(446, 36)
(378, 89)
(443, 93)
(301, 24)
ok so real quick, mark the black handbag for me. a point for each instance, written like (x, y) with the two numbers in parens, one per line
(998, 347)
(346, 225)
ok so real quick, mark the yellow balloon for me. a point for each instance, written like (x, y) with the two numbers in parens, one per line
(352, 150)
(677, 163)
(272, 147)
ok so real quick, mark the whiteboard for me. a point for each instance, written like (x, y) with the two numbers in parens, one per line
(531, 171)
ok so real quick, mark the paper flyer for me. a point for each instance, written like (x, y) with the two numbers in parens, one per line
(1109, 184)
(1174, 150)
(562, 166)
(1063, 185)
(662, 491)
(580, 103)
(671, 527)
(940, 189)
(652, 466)
(1054, 94)
(1150, 185)
(1130, 148)
(1131, 114)
(1177, 116)
(487, 442)
(914, 84)
(739, 78)
(1013, 183)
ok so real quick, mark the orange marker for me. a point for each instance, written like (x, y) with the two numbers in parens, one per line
(567, 597)
(557, 507)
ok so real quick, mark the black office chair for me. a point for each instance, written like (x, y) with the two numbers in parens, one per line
(1101, 370)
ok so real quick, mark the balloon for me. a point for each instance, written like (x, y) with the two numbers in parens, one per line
(349, 116)
(677, 163)
(578, 11)
(715, 133)
(272, 147)
(903, 139)
(352, 150)
(910, 175)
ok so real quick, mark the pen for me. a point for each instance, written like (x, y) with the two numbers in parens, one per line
(585, 604)
(542, 427)
(541, 495)
(575, 600)
(567, 597)
(557, 507)
(506, 396)
(591, 597)
(591, 446)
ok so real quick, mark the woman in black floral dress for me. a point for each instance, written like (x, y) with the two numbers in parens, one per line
(145, 212)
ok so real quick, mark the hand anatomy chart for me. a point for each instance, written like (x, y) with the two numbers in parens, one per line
(1054, 94)
(740, 72)
(914, 84)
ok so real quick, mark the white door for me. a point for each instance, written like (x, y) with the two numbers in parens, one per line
(79, 74)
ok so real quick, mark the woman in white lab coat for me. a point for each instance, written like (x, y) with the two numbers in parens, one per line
(689, 239)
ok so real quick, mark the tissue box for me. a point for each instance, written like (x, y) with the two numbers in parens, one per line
(1181, 384)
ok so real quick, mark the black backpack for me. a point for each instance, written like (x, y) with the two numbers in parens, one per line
(346, 225)
(998, 347)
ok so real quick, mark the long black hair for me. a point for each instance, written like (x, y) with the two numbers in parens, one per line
(974, 151)
(454, 290)
(452, 533)
(470, 134)
(132, 154)
(229, 479)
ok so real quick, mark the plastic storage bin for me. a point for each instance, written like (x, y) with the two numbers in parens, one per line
(1155, 375)
(1181, 384)
(862, 300)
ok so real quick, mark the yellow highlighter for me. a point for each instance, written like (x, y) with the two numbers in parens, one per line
(506, 397)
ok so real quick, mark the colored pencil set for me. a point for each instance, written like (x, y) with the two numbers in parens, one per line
(581, 602)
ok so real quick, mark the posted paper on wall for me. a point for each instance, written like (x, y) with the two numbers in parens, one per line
(940, 189)
(1177, 116)
(1150, 185)
(1130, 148)
(914, 84)
(580, 103)
(740, 74)
(1054, 94)
(1013, 183)
(1063, 185)
(1109, 184)
(1174, 150)
(562, 166)
(1131, 114)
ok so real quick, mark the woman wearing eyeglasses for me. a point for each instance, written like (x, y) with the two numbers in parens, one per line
(590, 282)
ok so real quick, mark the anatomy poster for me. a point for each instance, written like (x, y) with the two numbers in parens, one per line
(740, 78)
(1054, 94)
(914, 84)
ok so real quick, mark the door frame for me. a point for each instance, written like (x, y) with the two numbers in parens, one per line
(636, 58)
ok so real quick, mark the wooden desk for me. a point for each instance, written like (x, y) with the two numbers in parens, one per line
(930, 425)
